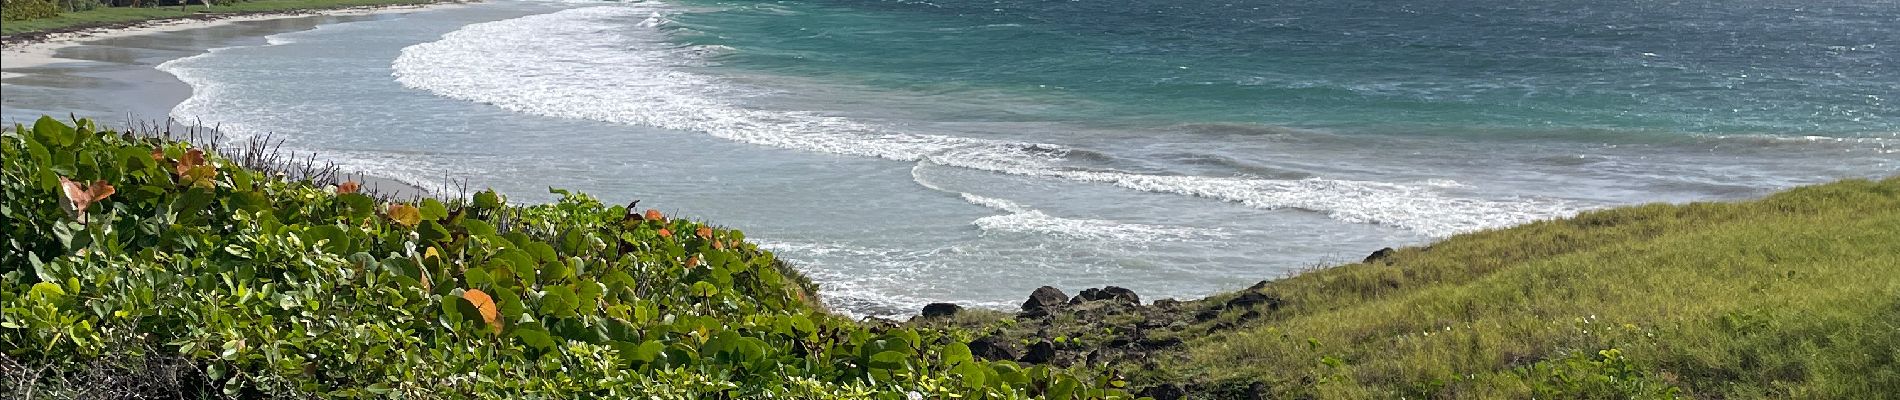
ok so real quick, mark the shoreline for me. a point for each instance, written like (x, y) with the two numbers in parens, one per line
(19, 40)
(37, 49)
(140, 92)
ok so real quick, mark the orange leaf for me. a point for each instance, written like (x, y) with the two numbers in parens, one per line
(79, 197)
(347, 187)
(705, 232)
(655, 215)
(486, 305)
(405, 214)
(158, 154)
(192, 159)
(665, 233)
(692, 262)
(721, 245)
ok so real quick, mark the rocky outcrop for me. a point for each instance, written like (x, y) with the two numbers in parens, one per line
(1044, 298)
(1040, 353)
(994, 348)
(1111, 293)
(935, 310)
(1254, 298)
(1381, 254)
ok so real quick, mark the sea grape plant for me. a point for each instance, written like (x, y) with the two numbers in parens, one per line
(270, 286)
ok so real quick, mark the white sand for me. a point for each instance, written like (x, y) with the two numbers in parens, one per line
(33, 54)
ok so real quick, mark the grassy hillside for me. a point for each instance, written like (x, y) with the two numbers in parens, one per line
(136, 266)
(1794, 295)
(118, 16)
(166, 270)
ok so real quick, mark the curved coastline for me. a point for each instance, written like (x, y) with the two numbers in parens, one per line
(118, 75)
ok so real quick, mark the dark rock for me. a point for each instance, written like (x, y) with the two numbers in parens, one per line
(1207, 314)
(1121, 293)
(993, 348)
(1379, 255)
(1258, 391)
(1045, 297)
(941, 309)
(1167, 303)
(1033, 314)
(1116, 293)
(1253, 298)
(1260, 285)
(1165, 391)
(1040, 353)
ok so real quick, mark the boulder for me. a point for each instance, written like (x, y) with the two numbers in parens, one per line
(1381, 254)
(1115, 293)
(1252, 298)
(1045, 297)
(933, 310)
(993, 348)
(1040, 353)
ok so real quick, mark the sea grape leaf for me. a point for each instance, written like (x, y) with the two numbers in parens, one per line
(432, 210)
(487, 200)
(955, 353)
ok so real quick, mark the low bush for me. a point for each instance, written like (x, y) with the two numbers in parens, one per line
(132, 255)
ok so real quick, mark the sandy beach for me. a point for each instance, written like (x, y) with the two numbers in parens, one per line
(110, 75)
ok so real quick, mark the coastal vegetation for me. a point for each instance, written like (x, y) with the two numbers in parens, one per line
(144, 263)
(141, 266)
(33, 17)
(1796, 295)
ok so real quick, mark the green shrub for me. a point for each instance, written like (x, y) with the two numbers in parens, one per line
(277, 288)
(20, 10)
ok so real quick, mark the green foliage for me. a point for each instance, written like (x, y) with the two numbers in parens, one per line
(1796, 295)
(284, 289)
(19, 10)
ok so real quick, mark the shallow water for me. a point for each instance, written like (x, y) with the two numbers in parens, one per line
(904, 152)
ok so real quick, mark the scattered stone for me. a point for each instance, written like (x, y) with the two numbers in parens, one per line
(1165, 391)
(1040, 353)
(993, 348)
(1033, 314)
(1379, 255)
(1253, 298)
(1259, 391)
(1116, 293)
(1207, 314)
(1045, 297)
(1121, 293)
(1167, 303)
(941, 309)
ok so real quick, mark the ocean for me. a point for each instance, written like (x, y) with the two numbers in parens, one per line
(907, 152)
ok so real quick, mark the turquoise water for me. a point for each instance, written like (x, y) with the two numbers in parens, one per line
(1412, 66)
(911, 152)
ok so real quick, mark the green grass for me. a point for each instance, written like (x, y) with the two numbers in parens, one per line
(104, 16)
(1796, 295)
(231, 279)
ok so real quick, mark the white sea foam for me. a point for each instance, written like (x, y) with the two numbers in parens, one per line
(614, 64)
(1022, 219)
(859, 281)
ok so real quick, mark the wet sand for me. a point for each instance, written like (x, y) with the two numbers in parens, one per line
(112, 76)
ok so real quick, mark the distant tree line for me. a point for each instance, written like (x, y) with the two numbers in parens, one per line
(16, 10)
